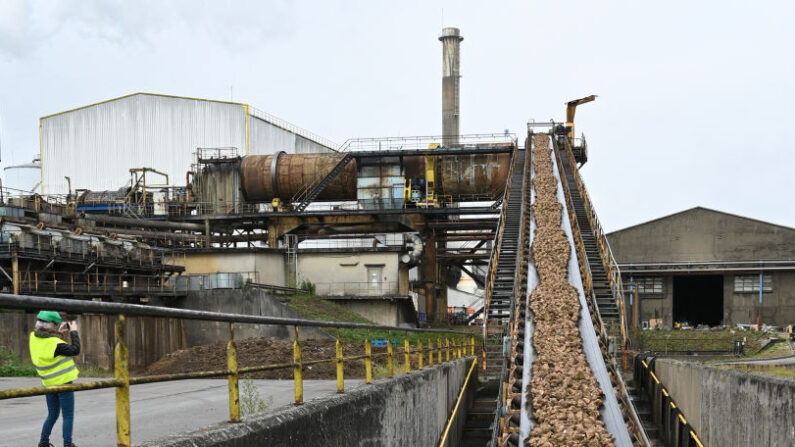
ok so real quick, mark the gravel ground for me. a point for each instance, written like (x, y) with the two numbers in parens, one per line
(565, 396)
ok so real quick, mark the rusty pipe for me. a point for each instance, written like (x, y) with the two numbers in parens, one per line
(284, 176)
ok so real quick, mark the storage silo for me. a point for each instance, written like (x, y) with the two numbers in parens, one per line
(23, 178)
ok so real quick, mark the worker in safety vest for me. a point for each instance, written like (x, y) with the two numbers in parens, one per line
(52, 358)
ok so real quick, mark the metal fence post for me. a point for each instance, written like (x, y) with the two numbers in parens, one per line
(430, 352)
(407, 354)
(390, 367)
(420, 354)
(446, 349)
(297, 370)
(472, 345)
(122, 373)
(231, 364)
(368, 360)
(439, 349)
(340, 377)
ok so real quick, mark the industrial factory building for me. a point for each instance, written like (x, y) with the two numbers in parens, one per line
(96, 145)
(703, 266)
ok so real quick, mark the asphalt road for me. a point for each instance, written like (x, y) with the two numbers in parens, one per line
(157, 409)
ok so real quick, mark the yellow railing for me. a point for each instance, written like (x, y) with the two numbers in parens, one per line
(457, 344)
(642, 374)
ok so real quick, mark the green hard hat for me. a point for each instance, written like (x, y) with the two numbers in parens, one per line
(49, 315)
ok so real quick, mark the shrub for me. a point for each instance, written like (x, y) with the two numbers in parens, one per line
(10, 366)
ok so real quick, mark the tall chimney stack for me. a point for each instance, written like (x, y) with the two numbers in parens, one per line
(451, 79)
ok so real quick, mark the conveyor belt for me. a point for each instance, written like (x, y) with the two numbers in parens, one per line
(513, 277)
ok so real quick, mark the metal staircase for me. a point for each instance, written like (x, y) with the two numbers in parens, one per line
(600, 281)
(312, 195)
(503, 288)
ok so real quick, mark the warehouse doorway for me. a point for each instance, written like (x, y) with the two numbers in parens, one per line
(698, 299)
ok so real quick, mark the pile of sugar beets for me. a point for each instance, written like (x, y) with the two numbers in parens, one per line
(565, 395)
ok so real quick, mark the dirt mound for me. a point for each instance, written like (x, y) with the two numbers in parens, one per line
(265, 351)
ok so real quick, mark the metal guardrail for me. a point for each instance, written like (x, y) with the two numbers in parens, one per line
(357, 288)
(462, 345)
(666, 415)
(396, 144)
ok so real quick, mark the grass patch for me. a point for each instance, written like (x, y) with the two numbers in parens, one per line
(314, 308)
(676, 341)
(11, 366)
(772, 370)
(777, 349)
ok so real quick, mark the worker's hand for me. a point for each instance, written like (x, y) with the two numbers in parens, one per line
(72, 325)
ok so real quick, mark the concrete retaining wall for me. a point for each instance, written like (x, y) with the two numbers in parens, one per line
(149, 339)
(728, 407)
(238, 301)
(408, 410)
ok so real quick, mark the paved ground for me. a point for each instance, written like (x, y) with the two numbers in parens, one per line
(158, 409)
(780, 361)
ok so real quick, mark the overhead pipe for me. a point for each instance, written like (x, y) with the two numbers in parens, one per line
(146, 223)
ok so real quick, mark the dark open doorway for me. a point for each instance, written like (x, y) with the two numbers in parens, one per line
(698, 299)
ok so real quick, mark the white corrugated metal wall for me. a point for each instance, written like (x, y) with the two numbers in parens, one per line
(267, 138)
(97, 145)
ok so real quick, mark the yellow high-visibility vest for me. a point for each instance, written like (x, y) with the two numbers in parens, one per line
(52, 370)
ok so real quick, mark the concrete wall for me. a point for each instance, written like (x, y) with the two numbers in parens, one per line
(731, 408)
(340, 273)
(239, 301)
(778, 306)
(410, 410)
(268, 265)
(148, 339)
(389, 312)
(701, 234)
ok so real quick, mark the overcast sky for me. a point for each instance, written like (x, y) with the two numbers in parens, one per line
(695, 99)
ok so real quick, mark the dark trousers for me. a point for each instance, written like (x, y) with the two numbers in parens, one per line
(63, 403)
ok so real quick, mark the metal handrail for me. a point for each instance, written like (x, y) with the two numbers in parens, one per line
(495, 253)
(461, 346)
(659, 396)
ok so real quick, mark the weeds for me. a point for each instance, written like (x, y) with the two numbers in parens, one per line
(250, 400)
(11, 366)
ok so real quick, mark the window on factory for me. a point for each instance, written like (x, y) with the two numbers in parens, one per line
(651, 285)
(750, 283)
